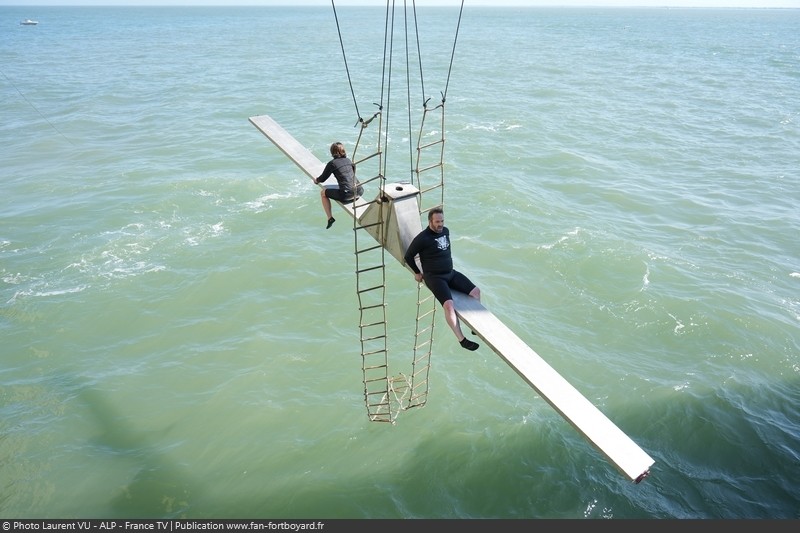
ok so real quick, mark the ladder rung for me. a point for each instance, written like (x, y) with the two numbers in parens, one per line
(431, 188)
(422, 344)
(363, 250)
(362, 291)
(434, 143)
(367, 158)
(368, 203)
(424, 331)
(376, 400)
(435, 165)
(376, 349)
(370, 180)
(418, 372)
(369, 269)
(426, 314)
(367, 226)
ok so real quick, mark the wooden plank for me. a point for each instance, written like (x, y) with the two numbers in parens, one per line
(625, 454)
(290, 146)
(301, 156)
(563, 397)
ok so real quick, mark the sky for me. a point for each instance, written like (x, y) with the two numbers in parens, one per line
(419, 3)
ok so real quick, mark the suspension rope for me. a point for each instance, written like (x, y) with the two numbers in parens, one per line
(344, 56)
(419, 55)
(453, 53)
(408, 92)
(388, 35)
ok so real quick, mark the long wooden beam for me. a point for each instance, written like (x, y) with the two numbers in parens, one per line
(625, 454)
(573, 406)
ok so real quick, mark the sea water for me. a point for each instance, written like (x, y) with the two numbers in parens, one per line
(180, 332)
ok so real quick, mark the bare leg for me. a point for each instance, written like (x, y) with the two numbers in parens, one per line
(326, 205)
(452, 320)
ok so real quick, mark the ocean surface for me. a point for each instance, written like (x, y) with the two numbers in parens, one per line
(180, 331)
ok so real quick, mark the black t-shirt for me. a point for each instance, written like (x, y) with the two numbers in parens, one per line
(434, 252)
(344, 171)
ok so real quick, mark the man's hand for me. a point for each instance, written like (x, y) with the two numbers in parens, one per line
(418, 277)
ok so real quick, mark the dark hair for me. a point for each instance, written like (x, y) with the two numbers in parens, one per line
(434, 211)
(337, 150)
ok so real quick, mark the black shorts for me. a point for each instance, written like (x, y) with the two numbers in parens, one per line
(440, 284)
(336, 194)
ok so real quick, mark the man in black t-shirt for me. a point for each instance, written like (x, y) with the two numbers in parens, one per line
(433, 247)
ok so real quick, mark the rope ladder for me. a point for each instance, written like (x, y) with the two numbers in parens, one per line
(385, 397)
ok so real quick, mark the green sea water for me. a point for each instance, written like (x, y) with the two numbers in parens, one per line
(180, 332)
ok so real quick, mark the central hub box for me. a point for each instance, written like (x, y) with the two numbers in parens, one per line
(397, 206)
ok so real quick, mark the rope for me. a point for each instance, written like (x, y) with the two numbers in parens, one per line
(388, 44)
(344, 56)
(453, 53)
(388, 35)
(408, 91)
(419, 55)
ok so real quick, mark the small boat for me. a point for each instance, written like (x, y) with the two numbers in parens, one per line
(29, 22)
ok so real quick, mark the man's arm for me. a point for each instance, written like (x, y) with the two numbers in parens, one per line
(326, 173)
(411, 253)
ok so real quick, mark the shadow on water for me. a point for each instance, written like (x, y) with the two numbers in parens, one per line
(159, 489)
(539, 469)
(452, 473)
